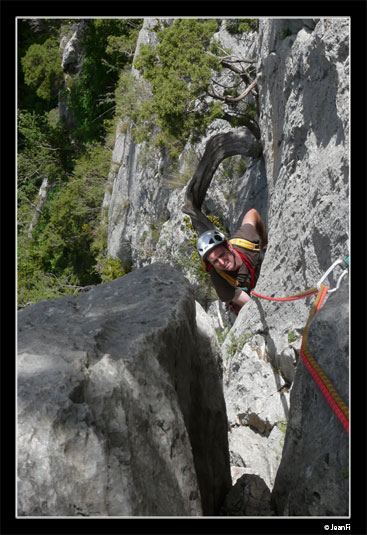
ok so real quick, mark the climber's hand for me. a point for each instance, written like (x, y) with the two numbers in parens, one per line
(233, 307)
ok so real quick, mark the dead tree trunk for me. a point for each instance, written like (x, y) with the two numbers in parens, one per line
(218, 148)
(42, 195)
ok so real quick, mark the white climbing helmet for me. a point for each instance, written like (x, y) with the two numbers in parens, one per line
(208, 241)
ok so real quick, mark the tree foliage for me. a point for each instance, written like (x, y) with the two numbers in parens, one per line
(181, 71)
(66, 249)
(61, 246)
(178, 71)
(65, 234)
(239, 26)
(42, 69)
(107, 48)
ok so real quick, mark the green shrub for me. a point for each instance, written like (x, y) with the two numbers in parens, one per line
(42, 69)
(110, 268)
(291, 337)
(286, 33)
(178, 76)
(237, 344)
(238, 26)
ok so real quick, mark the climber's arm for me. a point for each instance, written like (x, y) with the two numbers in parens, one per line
(253, 218)
(240, 297)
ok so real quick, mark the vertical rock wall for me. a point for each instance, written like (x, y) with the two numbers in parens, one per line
(137, 205)
(304, 113)
(313, 477)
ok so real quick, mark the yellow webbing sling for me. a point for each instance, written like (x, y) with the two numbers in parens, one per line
(245, 244)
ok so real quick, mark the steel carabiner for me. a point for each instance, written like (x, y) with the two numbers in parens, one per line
(341, 263)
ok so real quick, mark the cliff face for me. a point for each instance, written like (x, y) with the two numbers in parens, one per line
(300, 186)
(303, 98)
(138, 203)
(170, 423)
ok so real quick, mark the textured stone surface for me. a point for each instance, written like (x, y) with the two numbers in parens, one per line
(254, 453)
(138, 203)
(120, 405)
(317, 484)
(73, 53)
(249, 497)
(304, 99)
(255, 402)
(300, 186)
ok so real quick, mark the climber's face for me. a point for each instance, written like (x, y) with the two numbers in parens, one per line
(223, 258)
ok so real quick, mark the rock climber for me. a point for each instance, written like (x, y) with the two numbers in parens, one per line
(234, 264)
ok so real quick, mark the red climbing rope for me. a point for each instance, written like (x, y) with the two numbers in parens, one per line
(300, 295)
(332, 397)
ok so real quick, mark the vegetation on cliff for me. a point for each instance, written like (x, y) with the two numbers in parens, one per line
(64, 247)
(63, 168)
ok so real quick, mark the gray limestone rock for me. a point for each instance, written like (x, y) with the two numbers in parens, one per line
(73, 53)
(300, 186)
(248, 497)
(256, 453)
(120, 405)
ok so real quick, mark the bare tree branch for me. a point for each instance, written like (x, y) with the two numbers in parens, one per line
(227, 86)
(228, 59)
(238, 60)
(235, 99)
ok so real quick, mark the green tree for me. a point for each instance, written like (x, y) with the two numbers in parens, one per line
(42, 69)
(30, 32)
(43, 156)
(65, 234)
(179, 72)
(60, 255)
(107, 46)
(238, 26)
(66, 248)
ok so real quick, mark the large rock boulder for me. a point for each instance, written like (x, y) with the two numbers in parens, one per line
(120, 404)
(248, 497)
(313, 477)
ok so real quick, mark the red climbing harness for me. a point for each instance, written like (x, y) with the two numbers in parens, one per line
(250, 267)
